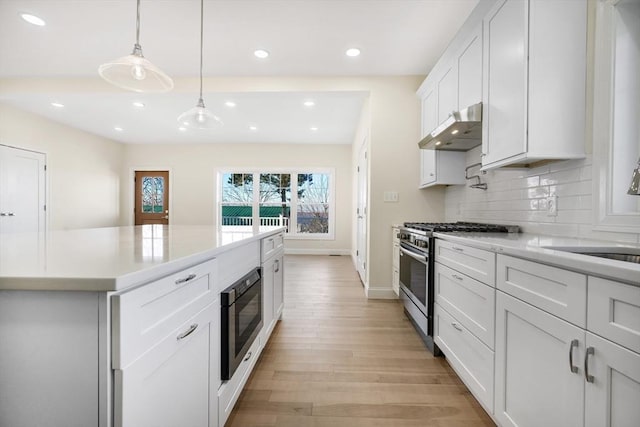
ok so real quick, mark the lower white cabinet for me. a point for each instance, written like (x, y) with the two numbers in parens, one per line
(171, 384)
(470, 358)
(535, 354)
(395, 260)
(278, 287)
(613, 393)
(272, 287)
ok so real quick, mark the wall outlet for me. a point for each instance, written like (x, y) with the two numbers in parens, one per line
(390, 196)
(552, 205)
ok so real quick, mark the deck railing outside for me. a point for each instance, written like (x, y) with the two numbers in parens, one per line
(243, 222)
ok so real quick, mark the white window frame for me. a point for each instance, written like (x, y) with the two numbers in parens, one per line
(605, 219)
(292, 234)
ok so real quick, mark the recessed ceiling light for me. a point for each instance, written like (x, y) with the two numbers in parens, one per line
(313, 128)
(261, 53)
(354, 51)
(138, 104)
(438, 142)
(309, 103)
(118, 129)
(182, 128)
(32, 19)
(453, 132)
(57, 105)
(230, 104)
(253, 128)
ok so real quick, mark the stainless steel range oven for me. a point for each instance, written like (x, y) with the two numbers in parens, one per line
(417, 259)
(241, 320)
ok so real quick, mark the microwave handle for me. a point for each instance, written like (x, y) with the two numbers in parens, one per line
(420, 258)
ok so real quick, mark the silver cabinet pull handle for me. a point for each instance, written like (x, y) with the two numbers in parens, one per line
(590, 351)
(456, 327)
(188, 332)
(455, 248)
(185, 279)
(455, 276)
(10, 214)
(3, 214)
(248, 356)
(574, 369)
(277, 265)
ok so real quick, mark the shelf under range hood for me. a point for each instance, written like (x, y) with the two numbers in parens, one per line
(462, 131)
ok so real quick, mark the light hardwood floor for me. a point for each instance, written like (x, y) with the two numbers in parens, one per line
(337, 359)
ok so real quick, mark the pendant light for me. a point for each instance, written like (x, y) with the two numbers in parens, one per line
(199, 117)
(135, 72)
(634, 188)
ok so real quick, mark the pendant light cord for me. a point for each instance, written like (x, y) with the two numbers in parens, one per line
(138, 25)
(201, 41)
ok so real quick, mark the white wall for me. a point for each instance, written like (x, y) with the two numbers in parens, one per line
(83, 170)
(193, 172)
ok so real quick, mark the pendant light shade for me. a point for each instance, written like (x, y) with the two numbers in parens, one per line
(200, 117)
(134, 72)
(634, 188)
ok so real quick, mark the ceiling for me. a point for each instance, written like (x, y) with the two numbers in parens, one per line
(304, 37)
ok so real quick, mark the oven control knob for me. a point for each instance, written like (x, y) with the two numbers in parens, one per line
(422, 243)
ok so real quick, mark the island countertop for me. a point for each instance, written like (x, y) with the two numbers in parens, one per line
(110, 258)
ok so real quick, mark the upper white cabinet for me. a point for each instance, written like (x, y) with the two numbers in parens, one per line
(534, 82)
(436, 167)
(469, 66)
(448, 93)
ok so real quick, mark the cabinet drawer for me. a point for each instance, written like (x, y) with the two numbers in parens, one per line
(614, 312)
(476, 263)
(144, 316)
(230, 390)
(271, 245)
(557, 291)
(467, 355)
(471, 302)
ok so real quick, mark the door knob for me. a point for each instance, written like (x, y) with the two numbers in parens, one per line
(165, 217)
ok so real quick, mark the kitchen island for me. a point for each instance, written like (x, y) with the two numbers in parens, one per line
(89, 320)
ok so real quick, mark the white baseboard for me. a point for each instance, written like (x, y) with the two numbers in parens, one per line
(300, 251)
(380, 293)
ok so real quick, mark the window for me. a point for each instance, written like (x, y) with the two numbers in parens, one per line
(300, 201)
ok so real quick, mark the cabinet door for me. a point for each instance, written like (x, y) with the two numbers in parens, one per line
(427, 167)
(613, 396)
(278, 287)
(170, 384)
(268, 281)
(534, 383)
(505, 81)
(429, 112)
(447, 94)
(470, 71)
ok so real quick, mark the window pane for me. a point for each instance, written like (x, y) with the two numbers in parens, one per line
(237, 216)
(152, 194)
(275, 201)
(313, 203)
(237, 188)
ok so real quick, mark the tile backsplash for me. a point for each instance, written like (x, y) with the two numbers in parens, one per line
(521, 197)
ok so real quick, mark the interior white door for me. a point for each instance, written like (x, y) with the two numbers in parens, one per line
(363, 185)
(22, 190)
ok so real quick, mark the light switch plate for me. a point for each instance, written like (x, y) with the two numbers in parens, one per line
(390, 197)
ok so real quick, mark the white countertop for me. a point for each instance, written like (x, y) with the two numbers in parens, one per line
(532, 247)
(109, 259)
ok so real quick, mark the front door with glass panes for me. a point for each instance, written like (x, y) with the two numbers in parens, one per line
(152, 197)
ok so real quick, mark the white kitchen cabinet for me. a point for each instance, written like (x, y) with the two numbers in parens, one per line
(534, 52)
(534, 382)
(272, 282)
(448, 92)
(464, 315)
(170, 384)
(613, 394)
(439, 167)
(395, 260)
(469, 66)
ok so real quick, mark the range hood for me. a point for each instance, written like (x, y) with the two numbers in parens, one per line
(462, 131)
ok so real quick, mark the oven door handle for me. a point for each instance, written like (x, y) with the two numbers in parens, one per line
(420, 258)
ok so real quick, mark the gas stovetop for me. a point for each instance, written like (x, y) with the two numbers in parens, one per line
(440, 227)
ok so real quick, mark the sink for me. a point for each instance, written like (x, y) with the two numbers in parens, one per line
(614, 252)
